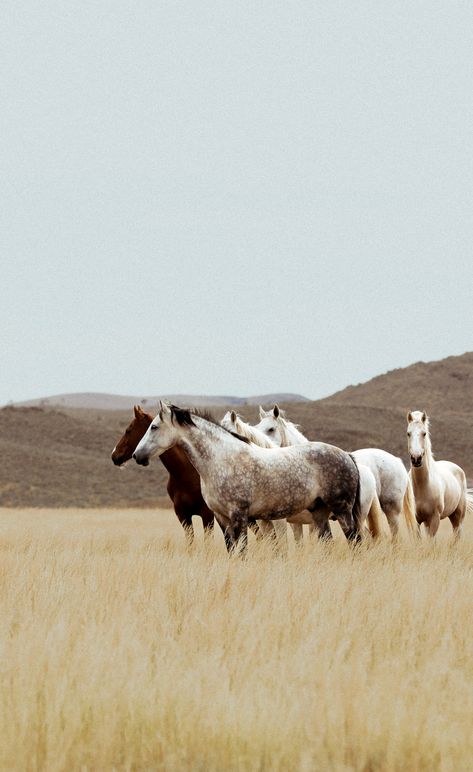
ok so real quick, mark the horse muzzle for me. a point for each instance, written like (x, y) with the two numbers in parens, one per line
(416, 461)
(141, 460)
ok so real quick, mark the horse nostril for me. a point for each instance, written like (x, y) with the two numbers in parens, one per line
(134, 456)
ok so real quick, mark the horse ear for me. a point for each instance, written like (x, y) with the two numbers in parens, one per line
(276, 411)
(138, 411)
(409, 417)
(262, 412)
(233, 416)
(164, 410)
(424, 417)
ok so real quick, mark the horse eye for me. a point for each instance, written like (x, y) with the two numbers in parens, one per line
(153, 428)
(270, 430)
(424, 434)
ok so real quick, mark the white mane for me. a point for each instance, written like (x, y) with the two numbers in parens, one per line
(291, 430)
(235, 423)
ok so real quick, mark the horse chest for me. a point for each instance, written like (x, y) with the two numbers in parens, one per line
(427, 504)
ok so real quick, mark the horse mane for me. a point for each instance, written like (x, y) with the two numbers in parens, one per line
(427, 436)
(181, 415)
(184, 417)
(285, 428)
(253, 434)
(282, 415)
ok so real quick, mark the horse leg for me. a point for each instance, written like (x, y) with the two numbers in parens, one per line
(228, 536)
(185, 520)
(227, 533)
(320, 516)
(208, 523)
(456, 519)
(280, 529)
(267, 530)
(239, 525)
(393, 516)
(374, 518)
(298, 533)
(350, 525)
(432, 525)
(253, 526)
(352, 532)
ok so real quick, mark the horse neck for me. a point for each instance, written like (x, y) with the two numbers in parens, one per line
(175, 461)
(205, 443)
(421, 475)
(290, 435)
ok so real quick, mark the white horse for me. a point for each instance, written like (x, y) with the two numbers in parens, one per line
(439, 486)
(369, 503)
(241, 480)
(393, 486)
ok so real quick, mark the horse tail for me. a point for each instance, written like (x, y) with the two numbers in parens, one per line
(469, 503)
(375, 516)
(356, 509)
(409, 509)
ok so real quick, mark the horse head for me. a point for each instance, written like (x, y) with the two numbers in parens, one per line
(417, 436)
(230, 421)
(272, 425)
(134, 432)
(162, 432)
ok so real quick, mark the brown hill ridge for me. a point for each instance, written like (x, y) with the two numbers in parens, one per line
(61, 458)
(444, 386)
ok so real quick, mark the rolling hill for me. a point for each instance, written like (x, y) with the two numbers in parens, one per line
(61, 457)
(98, 401)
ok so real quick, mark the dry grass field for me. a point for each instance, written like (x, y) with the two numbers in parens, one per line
(122, 649)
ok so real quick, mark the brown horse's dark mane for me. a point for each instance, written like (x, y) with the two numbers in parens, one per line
(183, 417)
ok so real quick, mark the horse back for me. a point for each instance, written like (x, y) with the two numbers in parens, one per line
(388, 470)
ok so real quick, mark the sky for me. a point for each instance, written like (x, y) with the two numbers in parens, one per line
(232, 198)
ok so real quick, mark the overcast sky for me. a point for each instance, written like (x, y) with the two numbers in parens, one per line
(232, 197)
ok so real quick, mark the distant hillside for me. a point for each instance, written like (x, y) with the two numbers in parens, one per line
(98, 401)
(61, 457)
(444, 386)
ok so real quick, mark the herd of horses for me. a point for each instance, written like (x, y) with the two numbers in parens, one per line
(263, 476)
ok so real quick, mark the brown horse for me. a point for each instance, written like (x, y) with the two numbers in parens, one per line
(184, 483)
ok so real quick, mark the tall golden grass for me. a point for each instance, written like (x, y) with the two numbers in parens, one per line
(122, 649)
